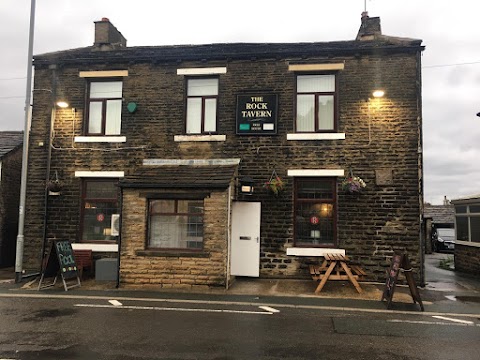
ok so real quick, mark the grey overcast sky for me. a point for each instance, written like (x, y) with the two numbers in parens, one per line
(449, 29)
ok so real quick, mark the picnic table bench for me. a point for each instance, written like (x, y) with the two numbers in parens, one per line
(336, 267)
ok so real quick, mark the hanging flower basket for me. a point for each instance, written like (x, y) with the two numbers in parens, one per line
(275, 185)
(54, 186)
(353, 184)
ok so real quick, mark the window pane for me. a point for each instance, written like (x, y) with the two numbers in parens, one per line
(315, 83)
(202, 87)
(114, 116)
(103, 90)
(461, 209)
(210, 115)
(167, 231)
(318, 231)
(101, 190)
(162, 206)
(95, 118)
(325, 112)
(314, 189)
(97, 218)
(190, 207)
(194, 116)
(462, 228)
(475, 228)
(305, 113)
(475, 209)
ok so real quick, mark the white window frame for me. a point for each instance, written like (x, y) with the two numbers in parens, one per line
(469, 215)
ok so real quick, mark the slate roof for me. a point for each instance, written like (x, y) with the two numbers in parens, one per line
(181, 176)
(228, 51)
(10, 140)
(440, 214)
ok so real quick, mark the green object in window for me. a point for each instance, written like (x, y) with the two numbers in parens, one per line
(132, 107)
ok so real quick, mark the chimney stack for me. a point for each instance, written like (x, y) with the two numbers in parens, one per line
(107, 34)
(370, 28)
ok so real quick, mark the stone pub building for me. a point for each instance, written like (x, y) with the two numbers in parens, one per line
(194, 164)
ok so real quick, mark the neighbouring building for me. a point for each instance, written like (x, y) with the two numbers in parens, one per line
(10, 171)
(467, 229)
(165, 153)
(437, 217)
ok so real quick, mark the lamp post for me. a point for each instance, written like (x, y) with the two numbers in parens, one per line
(26, 136)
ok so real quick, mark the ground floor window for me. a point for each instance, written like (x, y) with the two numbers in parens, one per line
(315, 212)
(99, 203)
(175, 224)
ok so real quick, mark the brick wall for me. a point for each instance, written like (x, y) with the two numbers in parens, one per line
(371, 226)
(9, 202)
(467, 259)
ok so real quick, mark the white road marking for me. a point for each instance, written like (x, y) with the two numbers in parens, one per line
(451, 297)
(429, 322)
(115, 302)
(269, 309)
(239, 303)
(454, 320)
(175, 309)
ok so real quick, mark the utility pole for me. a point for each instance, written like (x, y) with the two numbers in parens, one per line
(26, 137)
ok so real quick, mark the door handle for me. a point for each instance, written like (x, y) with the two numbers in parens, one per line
(245, 238)
(258, 238)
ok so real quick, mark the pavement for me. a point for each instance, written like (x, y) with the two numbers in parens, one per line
(446, 291)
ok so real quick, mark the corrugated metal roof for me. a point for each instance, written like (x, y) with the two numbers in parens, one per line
(10, 140)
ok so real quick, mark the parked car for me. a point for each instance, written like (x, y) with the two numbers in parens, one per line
(444, 240)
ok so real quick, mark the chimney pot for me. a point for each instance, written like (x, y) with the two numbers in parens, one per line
(105, 19)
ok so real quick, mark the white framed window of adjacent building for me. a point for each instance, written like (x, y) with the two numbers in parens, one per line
(467, 222)
(202, 99)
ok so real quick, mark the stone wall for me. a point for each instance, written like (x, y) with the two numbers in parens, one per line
(381, 135)
(167, 269)
(467, 259)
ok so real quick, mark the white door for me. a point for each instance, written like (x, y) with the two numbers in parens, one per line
(245, 256)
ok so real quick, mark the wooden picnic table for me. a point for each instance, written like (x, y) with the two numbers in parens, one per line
(336, 267)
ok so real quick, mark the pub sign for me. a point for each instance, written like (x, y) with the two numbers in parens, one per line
(257, 114)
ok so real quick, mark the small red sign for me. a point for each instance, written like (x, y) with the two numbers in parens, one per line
(100, 217)
(314, 220)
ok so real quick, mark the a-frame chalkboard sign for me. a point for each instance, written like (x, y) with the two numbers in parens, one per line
(400, 262)
(60, 261)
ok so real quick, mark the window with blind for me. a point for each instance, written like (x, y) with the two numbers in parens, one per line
(316, 103)
(104, 108)
(202, 95)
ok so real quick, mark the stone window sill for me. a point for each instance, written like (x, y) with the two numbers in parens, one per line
(316, 136)
(101, 139)
(197, 138)
(164, 253)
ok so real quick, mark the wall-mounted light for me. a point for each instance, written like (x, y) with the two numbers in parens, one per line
(378, 93)
(246, 185)
(62, 104)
